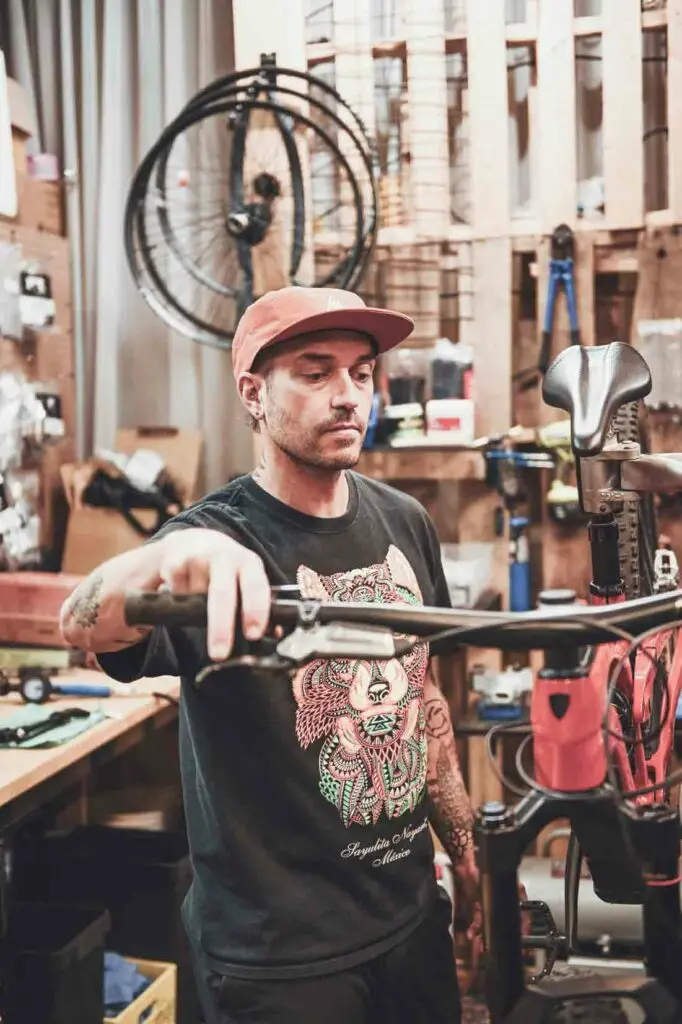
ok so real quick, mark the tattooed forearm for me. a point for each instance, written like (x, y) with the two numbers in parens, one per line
(438, 724)
(451, 817)
(84, 603)
(93, 617)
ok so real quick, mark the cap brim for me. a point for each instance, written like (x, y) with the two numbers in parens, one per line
(385, 327)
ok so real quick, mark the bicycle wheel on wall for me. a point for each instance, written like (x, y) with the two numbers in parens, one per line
(266, 178)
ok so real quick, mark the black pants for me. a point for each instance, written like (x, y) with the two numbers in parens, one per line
(415, 983)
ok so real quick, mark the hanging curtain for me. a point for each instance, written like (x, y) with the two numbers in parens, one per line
(105, 77)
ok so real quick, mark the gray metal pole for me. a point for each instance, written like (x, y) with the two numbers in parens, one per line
(73, 218)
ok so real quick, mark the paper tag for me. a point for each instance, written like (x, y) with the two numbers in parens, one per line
(143, 468)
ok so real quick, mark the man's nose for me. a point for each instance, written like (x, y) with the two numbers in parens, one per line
(345, 393)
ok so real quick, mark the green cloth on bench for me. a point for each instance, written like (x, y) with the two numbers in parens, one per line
(33, 713)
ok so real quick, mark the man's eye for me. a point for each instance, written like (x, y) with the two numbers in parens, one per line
(363, 377)
(314, 376)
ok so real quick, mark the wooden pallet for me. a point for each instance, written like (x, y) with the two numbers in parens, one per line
(487, 247)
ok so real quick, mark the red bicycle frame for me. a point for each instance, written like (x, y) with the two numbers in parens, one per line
(571, 750)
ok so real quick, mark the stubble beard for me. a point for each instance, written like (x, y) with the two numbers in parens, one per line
(306, 452)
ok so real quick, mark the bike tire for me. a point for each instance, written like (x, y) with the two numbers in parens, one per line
(637, 526)
(582, 1011)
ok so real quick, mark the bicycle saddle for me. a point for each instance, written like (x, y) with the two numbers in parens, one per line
(591, 384)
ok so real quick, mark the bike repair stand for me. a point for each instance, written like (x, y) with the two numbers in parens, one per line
(615, 839)
(503, 465)
(561, 277)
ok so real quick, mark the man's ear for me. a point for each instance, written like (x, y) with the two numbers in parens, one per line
(250, 386)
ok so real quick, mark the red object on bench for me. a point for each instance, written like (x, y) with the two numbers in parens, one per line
(30, 603)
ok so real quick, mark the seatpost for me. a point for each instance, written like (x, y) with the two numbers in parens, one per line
(606, 577)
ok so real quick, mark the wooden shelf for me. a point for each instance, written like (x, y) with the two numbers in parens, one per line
(423, 464)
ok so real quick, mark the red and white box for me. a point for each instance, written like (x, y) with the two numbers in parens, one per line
(450, 420)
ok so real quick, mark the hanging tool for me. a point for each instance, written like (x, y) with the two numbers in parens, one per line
(561, 277)
(21, 733)
(503, 465)
(563, 498)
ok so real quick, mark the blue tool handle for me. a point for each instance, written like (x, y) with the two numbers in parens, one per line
(548, 322)
(552, 286)
(82, 690)
(519, 587)
(572, 307)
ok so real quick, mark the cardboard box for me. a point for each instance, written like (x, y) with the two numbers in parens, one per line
(159, 997)
(95, 534)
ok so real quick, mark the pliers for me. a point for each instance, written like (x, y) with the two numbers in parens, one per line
(561, 268)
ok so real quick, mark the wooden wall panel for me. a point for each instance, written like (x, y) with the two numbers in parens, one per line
(488, 118)
(658, 293)
(585, 285)
(492, 333)
(269, 26)
(555, 125)
(674, 119)
(427, 116)
(623, 114)
(353, 49)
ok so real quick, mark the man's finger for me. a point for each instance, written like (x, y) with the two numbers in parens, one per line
(254, 588)
(198, 577)
(177, 578)
(221, 608)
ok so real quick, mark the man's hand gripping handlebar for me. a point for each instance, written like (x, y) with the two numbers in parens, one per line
(315, 629)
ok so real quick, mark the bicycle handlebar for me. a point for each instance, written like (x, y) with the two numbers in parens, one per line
(544, 627)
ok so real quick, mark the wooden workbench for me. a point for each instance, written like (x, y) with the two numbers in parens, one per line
(30, 778)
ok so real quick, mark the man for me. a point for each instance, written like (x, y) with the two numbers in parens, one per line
(307, 800)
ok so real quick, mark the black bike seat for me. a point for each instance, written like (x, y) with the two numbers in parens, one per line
(591, 384)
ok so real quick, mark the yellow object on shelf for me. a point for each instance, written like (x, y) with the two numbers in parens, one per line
(160, 996)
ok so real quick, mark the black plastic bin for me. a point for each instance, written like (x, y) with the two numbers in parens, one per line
(140, 876)
(55, 964)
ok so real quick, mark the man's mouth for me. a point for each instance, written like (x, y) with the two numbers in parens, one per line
(343, 426)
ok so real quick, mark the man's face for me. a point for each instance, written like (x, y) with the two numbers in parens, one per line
(317, 398)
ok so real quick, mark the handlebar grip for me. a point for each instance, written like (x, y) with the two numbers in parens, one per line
(165, 609)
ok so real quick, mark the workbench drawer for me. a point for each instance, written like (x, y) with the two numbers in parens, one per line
(159, 997)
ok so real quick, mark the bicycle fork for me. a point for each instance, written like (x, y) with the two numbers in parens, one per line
(503, 834)
(655, 831)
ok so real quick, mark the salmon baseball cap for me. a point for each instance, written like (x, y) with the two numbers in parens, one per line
(288, 312)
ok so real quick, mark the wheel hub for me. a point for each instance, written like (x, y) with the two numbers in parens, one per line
(250, 224)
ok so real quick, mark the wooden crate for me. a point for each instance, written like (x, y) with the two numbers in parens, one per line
(159, 997)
